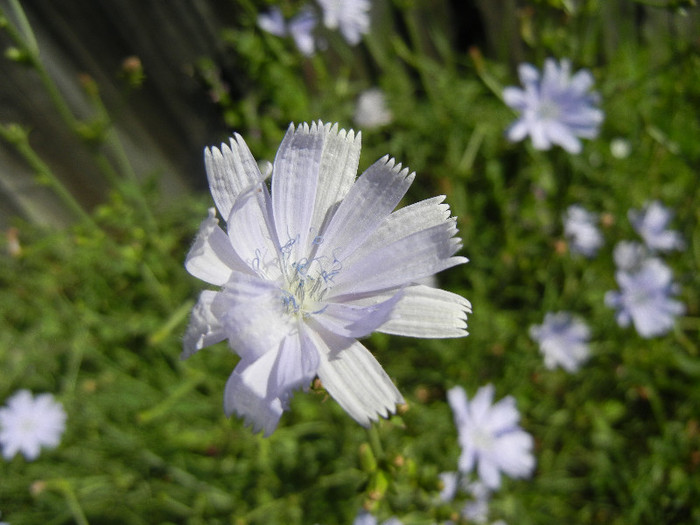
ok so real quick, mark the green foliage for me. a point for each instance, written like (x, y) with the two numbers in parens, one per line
(94, 314)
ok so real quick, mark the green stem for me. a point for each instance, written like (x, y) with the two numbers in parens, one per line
(374, 441)
(18, 137)
(64, 486)
(26, 41)
(25, 26)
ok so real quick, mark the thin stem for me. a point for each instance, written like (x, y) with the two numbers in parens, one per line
(374, 441)
(64, 486)
(25, 26)
(18, 137)
(26, 41)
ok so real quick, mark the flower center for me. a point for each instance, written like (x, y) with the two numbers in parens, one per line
(482, 440)
(306, 282)
(27, 426)
(548, 110)
(639, 297)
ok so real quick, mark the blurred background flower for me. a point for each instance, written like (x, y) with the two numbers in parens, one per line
(28, 424)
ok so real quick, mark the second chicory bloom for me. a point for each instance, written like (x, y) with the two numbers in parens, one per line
(372, 110)
(300, 28)
(28, 424)
(490, 437)
(645, 298)
(581, 231)
(563, 340)
(351, 17)
(651, 223)
(555, 107)
(312, 264)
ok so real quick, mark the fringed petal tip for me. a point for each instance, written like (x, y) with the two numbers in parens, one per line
(258, 412)
(355, 379)
(403, 172)
(328, 128)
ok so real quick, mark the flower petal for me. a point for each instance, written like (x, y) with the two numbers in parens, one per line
(355, 320)
(252, 313)
(354, 378)
(558, 133)
(514, 452)
(230, 171)
(401, 262)
(488, 473)
(517, 131)
(402, 223)
(341, 156)
(480, 405)
(457, 399)
(272, 22)
(296, 365)
(301, 28)
(428, 312)
(515, 97)
(204, 328)
(503, 415)
(246, 394)
(251, 233)
(528, 73)
(294, 181)
(211, 257)
(372, 198)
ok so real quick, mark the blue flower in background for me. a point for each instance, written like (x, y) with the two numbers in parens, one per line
(581, 231)
(490, 436)
(563, 340)
(651, 224)
(645, 299)
(313, 264)
(371, 110)
(351, 17)
(28, 423)
(555, 108)
(300, 28)
(273, 22)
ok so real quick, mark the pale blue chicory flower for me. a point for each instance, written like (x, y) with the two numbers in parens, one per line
(313, 264)
(351, 17)
(490, 436)
(651, 223)
(28, 423)
(371, 110)
(563, 340)
(581, 231)
(273, 22)
(645, 298)
(555, 108)
(300, 28)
